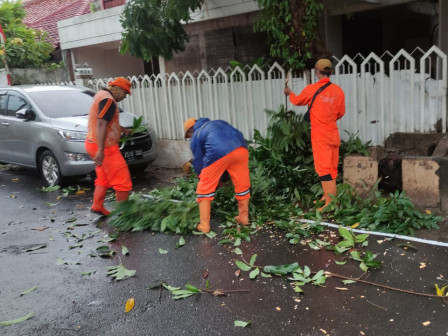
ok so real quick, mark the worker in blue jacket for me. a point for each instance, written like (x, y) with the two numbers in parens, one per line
(218, 147)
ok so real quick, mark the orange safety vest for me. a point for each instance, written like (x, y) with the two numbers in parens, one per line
(113, 131)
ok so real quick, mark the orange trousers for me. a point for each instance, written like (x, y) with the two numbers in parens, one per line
(237, 165)
(326, 157)
(114, 172)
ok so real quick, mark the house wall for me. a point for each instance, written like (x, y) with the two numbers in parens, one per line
(214, 43)
(108, 62)
(91, 29)
(360, 26)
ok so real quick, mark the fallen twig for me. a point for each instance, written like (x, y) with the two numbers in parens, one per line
(376, 305)
(330, 274)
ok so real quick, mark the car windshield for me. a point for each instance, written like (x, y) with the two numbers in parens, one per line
(63, 103)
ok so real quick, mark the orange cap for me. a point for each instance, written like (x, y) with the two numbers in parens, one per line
(324, 64)
(189, 124)
(123, 83)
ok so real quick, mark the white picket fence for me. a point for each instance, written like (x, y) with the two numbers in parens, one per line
(406, 92)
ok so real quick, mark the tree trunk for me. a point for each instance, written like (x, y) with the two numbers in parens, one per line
(298, 38)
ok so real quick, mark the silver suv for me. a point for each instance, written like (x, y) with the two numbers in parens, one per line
(44, 127)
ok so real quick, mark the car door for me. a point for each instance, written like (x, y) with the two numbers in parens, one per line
(3, 122)
(19, 134)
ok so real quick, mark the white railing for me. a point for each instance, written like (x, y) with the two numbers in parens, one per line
(406, 92)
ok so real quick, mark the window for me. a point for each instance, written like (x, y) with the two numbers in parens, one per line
(15, 103)
(63, 103)
(3, 99)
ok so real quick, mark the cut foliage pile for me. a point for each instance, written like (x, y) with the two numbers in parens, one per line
(283, 186)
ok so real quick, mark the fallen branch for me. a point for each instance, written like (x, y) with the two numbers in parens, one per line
(334, 275)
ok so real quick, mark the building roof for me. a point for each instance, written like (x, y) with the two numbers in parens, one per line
(45, 14)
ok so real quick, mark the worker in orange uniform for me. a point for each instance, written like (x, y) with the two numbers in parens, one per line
(102, 144)
(328, 106)
(218, 147)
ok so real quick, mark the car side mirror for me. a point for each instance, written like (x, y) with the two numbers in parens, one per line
(25, 114)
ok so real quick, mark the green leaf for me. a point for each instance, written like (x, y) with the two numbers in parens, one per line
(317, 275)
(211, 234)
(50, 189)
(162, 251)
(320, 280)
(242, 324)
(346, 234)
(345, 244)
(340, 262)
(225, 241)
(120, 272)
(264, 275)
(299, 277)
(182, 296)
(242, 266)
(181, 242)
(281, 269)
(28, 291)
(170, 288)
(297, 289)
(124, 250)
(347, 282)
(192, 288)
(363, 266)
(361, 237)
(254, 273)
(237, 242)
(238, 251)
(21, 319)
(355, 255)
(306, 272)
(252, 260)
(313, 246)
(104, 251)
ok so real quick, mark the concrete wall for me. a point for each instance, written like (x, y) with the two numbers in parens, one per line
(3, 78)
(173, 153)
(39, 76)
(421, 181)
(361, 172)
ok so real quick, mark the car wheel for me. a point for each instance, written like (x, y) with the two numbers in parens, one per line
(49, 169)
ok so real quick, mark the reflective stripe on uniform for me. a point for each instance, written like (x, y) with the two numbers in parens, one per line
(243, 193)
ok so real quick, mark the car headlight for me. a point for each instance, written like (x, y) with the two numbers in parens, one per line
(72, 136)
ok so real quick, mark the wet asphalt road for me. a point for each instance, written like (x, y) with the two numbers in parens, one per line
(69, 303)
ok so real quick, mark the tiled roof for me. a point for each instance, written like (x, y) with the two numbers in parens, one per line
(45, 14)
